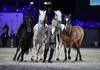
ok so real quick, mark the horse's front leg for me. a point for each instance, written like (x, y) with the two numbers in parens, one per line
(38, 51)
(41, 48)
(58, 47)
(19, 56)
(22, 56)
(18, 49)
(69, 51)
(65, 51)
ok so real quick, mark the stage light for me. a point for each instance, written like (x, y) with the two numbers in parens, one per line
(31, 3)
(47, 3)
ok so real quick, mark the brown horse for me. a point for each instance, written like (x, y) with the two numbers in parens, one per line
(73, 38)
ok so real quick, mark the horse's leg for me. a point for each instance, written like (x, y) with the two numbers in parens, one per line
(22, 55)
(79, 43)
(69, 51)
(38, 51)
(41, 51)
(18, 49)
(58, 46)
(77, 48)
(19, 55)
(80, 57)
(34, 50)
(65, 50)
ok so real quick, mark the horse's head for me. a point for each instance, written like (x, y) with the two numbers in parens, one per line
(42, 15)
(67, 22)
(58, 15)
(67, 17)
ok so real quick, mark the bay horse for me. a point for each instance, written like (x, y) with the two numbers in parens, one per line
(72, 36)
(24, 37)
(39, 36)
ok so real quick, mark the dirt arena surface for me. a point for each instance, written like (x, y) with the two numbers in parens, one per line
(91, 61)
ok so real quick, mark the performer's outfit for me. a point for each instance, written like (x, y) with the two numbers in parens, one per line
(50, 42)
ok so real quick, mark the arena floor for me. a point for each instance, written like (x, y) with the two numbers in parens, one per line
(91, 61)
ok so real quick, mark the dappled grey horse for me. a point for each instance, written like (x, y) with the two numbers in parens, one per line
(39, 36)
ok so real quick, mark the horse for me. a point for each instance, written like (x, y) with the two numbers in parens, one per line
(39, 36)
(60, 27)
(72, 36)
(24, 37)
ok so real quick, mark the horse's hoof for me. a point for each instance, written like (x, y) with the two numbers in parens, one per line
(65, 59)
(57, 59)
(81, 59)
(44, 61)
(41, 59)
(21, 61)
(36, 61)
(17, 59)
(69, 58)
(32, 59)
(14, 59)
(75, 60)
(50, 61)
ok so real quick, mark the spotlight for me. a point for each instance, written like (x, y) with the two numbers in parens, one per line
(47, 3)
(31, 3)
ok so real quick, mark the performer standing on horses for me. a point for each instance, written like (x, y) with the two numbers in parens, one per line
(50, 40)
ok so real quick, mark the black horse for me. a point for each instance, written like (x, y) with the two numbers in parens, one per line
(24, 38)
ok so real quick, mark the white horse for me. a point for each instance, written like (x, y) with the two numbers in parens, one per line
(38, 37)
(58, 16)
(61, 27)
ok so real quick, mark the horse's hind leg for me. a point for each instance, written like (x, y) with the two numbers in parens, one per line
(76, 55)
(77, 48)
(14, 58)
(80, 57)
(80, 42)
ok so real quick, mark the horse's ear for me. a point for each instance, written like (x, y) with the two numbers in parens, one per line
(69, 15)
(66, 17)
(55, 12)
(44, 11)
(39, 10)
